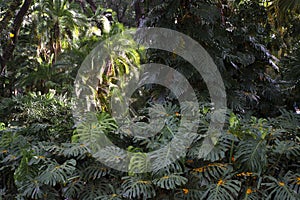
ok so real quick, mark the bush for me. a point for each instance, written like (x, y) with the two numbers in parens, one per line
(253, 159)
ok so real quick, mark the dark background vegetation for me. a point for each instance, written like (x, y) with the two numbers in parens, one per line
(255, 45)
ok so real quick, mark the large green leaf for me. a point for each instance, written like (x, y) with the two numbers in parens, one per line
(136, 187)
(170, 181)
(222, 190)
(251, 155)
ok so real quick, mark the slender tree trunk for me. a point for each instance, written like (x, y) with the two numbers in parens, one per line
(8, 51)
(9, 47)
(9, 14)
(57, 42)
(138, 12)
(92, 5)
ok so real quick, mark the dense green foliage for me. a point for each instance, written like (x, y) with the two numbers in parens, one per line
(45, 155)
(255, 158)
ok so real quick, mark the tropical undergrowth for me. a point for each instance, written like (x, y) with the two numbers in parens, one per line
(254, 158)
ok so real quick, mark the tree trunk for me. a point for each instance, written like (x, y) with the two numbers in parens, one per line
(138, 12)
(57, 42)
(92, 5)
(9, 47)
(9, 14)
(8, 51)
